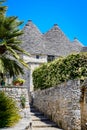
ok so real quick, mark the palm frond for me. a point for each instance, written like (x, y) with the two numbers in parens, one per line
(1, 66)
(2, 1)
(9, 44)
(17, 56)
(11, 66)
(14, 53)
(23, 63)
(2, 8)
(19, 49)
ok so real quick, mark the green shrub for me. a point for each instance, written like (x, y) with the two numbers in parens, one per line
(9, 114)
(23, 101)
(51, 74)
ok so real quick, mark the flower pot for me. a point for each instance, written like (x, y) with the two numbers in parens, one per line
(17, 83)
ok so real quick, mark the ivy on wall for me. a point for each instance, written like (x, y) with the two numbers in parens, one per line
(63, 69)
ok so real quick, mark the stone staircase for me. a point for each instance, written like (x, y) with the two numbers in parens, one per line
(41, 122)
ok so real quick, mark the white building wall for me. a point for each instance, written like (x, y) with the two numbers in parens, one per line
(32, 66)
(33, 63)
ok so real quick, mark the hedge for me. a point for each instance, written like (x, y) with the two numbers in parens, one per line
(63, 69)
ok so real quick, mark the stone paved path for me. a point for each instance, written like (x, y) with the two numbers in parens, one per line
(41, 122)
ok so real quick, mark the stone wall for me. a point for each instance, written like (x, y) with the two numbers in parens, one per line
(16, 93)
(61, 104)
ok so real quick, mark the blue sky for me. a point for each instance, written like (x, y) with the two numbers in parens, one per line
(70, 15)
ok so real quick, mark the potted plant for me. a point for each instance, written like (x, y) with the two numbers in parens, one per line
(18, 81)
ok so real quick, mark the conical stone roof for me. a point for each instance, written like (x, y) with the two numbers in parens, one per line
(54, 42)
(77, 45)
(58, 43)
(32, 39)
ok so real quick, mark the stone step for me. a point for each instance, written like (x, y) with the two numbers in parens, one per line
(43, 124)
(46, 128)
(37, 113)
(34, 118)
(33, 109)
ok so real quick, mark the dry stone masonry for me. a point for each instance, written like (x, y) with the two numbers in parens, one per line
(63, 105)
(16, 93)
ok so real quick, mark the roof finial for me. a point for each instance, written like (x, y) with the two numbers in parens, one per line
(29, 20)
(55, 24)
(75, 38)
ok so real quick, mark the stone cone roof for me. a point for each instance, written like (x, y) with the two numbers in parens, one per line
(54, 42)
(77, 45)
(32, 39)
(58, 43)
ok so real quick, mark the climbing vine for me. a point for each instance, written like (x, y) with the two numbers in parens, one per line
(63, 69)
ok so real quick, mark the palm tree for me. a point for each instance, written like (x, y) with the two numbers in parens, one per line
(10, 50)
(2, 8)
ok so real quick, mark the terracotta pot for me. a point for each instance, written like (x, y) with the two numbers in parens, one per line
(17, 83)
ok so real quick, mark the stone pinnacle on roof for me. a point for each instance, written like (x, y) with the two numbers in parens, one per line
(56, 26)
(29, 21)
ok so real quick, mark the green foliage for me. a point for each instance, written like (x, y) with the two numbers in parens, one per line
(10, 50)
(8, 111)
(23, 101)
(51, 74)
(2, 8)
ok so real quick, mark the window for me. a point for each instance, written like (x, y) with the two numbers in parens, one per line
(37, 56)
(50, 58)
